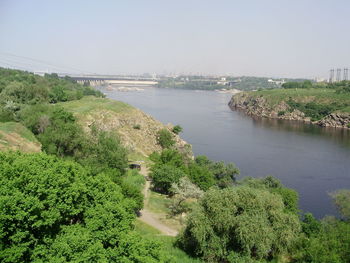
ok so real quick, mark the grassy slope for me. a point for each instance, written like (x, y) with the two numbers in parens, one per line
(121, 118)
(14, 136)
(320, 96)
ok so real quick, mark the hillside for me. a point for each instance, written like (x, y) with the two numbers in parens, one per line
(138, 130)
(14, 136)
(322, 106)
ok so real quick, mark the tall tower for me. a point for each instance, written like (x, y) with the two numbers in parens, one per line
(338, 74)
(331, 76)
(346, 74)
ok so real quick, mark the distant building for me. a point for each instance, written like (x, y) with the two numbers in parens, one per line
(277, 82)
(222, 81)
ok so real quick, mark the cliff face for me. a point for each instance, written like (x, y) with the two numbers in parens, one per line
(258, 106)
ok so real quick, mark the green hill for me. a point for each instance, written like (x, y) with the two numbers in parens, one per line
(137, 130)
(321, 105)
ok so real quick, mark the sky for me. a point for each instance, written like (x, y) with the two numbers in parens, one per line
(272, 38)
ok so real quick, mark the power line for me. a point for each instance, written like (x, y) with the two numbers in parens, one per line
(46, 63)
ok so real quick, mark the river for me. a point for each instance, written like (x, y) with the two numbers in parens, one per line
(312, 160)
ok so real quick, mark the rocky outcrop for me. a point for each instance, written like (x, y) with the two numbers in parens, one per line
(340, 120)
(258, 106)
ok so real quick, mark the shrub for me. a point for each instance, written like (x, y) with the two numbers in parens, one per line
(177, 129)
(281, 113)
(137, 126)
(165, 139)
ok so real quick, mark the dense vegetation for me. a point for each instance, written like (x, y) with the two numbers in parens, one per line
(77, 202)
(170, 165)
(56, 211)
(18, 88)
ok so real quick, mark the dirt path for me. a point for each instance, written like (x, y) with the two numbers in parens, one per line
(149, 217)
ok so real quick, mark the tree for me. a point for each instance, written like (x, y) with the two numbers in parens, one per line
(183, 191)
(164, 176)
(225, 174)
(240, 221)
(201, 176)
(165, 139)
(177, 129)
(54, 211)
(341, 199)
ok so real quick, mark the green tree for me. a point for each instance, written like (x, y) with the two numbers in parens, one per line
(54, 211)
(184, 190)
(240, 221)
(164, 176)
(165, 139)
(201, 176)
(341, 199)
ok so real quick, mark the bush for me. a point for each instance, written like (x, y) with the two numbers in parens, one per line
(165, 139)
(281, 113)
(177, 129)
(137, 126)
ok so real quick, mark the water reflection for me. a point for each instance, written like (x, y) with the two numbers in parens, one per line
(339, 136)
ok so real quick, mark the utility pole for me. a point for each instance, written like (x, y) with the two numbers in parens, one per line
(338, 74)
(331, 76)
(346, 74)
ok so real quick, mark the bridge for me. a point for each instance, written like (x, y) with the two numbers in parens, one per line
(100, 80)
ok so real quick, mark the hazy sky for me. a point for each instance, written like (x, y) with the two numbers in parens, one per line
(287, 38)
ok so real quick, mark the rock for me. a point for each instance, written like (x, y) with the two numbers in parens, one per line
(257, 106)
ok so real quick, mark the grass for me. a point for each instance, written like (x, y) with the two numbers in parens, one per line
(158, 204)
(177, 254)
(319, 95)
(90, 103)
(15, 127)
(14, 136)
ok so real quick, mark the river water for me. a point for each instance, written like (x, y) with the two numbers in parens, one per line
(312, 160)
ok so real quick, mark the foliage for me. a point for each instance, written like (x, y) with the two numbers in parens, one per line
(183, 191)
(169, 157)
(239, 220)
(297, 85)
(341, 199)
(137, 126)
(165, 138)
(164, 176)
(177, 129)
(201, 176)
(289, 196)
(314, 110)
(103, 151)
(224, 174)
(54, 211)
(328, 242)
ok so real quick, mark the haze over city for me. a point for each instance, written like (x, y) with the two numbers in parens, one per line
(257, 38)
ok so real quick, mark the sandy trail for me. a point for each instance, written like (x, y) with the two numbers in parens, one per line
(149, 217)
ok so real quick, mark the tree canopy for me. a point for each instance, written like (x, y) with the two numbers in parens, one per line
(54, 211)
(240, 221)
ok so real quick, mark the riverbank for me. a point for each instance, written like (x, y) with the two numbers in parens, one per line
(323, 107)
